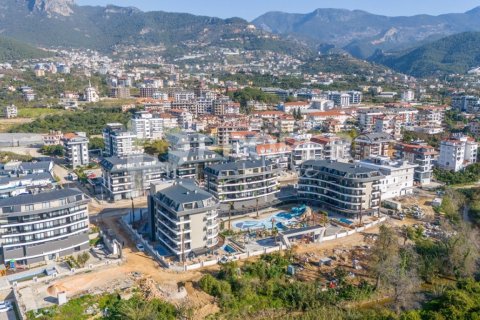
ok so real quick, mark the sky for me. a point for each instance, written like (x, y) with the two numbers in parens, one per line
(250, 9)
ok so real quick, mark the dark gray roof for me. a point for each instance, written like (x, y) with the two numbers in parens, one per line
(183, 192)
(33, 176)
(193, 156)
(340, 166)
(375, 137)
(342, 169)
(40, 197)
(40, 165)
(238, 165)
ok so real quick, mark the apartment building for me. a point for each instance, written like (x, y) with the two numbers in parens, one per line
(147, 126)
(465, 103)
(188, 141)
(398, 176)
(285, 124)
(53, 138)
(289, 107)
(76, 149)
(347, 188)
(184, 217)
(130, 177)
(191, 163)
(334, 147)
(243, 180)
(368, 117)
(224, 131)
(372, 144)
(119, 142)
(431, 116)
(303, 151)
(457, 153)
(9, 112)
(43, 227)
(422, 155)
(278, 153)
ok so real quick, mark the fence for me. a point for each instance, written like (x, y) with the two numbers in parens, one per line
(180, 268)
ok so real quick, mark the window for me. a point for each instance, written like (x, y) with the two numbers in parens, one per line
(29, 207)
(45, 205)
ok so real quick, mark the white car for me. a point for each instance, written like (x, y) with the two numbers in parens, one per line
(5, 306)
(140, 247)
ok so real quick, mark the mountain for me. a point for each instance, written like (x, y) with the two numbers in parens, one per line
(63, 23)
(453, 54)
(361, 33)
(14, 50)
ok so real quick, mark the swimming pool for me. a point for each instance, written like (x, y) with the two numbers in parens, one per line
(279, 220)
(346, 221)
(229, 249)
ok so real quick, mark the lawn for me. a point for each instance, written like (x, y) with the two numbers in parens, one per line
(37, 112)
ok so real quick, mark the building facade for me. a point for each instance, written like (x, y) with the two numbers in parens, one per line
(457, 153)
(43, 227)
(371, 145)
(76, 149)
(184, 218)
(347, 188)
(130, 177)
(242, 180)
(119, 142)
(422, 155)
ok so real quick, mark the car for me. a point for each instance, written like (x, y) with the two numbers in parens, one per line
(140, 247)
(99, 246)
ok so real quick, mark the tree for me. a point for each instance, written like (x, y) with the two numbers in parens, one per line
(96, 143)
(156, 147)
(83, 258)
(383, 258)
(56, 150)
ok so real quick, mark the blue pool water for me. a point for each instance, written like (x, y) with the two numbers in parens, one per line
(346, 221)
(279, 220)
(229, 249)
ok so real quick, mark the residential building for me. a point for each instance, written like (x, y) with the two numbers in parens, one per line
(53, 138)
(191, 163)
(120, 92)
(431, 116)
(185, 218)
(130, 177)
(243, 180)
(119, 142)
(9, 111)
(398, 176)
(334, 147)
(188, 141)
(347, 188)
(285, 124)
(224, 131)
(147, 126)
(340, 99)
(465, 103)
(278, 153)
(422, 155)
(90, 94)
(43, 227)
(303, 151)
(76, 149)
(372, 144)
(368, 117)
(457, 153)
(290, 107)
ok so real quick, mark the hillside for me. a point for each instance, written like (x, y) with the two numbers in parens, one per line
(341, 63)
(361, 33)
(62, 23)
(454, 54)
(14, 50)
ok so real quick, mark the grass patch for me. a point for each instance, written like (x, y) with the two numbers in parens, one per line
(37, 112)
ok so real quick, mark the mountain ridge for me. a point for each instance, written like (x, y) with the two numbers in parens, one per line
(361, 33)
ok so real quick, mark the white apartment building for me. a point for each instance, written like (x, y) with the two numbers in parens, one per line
(9, 111)
(91, 95)
(119, 142)
(185, 218)
(398, 176)
(76, 149)
(457, 152)
(147, 126)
